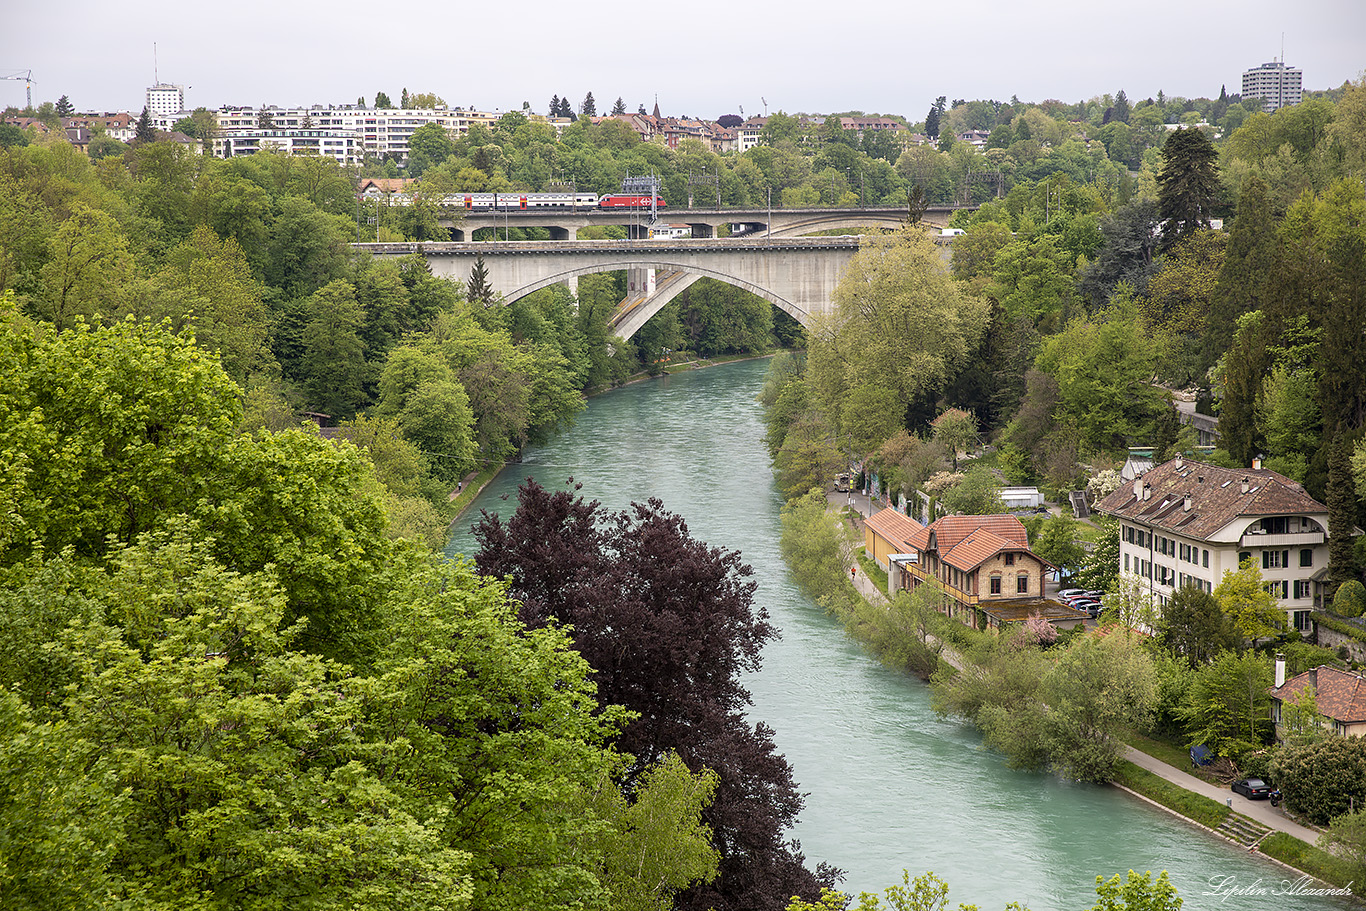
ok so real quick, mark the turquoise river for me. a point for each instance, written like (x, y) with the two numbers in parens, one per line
(888, 784)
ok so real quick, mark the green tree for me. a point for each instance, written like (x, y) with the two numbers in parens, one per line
(1341, 513)
(1227, 706)
(1194, 626)
(902, 323)
(333, 369)
(1346, 838)
(977, 494)
(144, 132)
(1057, 543)
(817, 545)
(307, 248)
(223, 301)
(955, 430)
(925, 892)
(1099, 688)
(1254, 611)
(1187, 185)
(87, 271)
(1104, 366)
(109, 432)
(163, 184)
(429, 145)
(437, 418)
(809, 456)
(658, 844)
(1032, 278)
(1136, 893)
(1244, 367)
(1099, 570)
(1288, 419)
(1248, 264)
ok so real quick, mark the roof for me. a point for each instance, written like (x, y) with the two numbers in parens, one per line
(945, 533)
(387, 184)
(1018, 610)
(894, 527)
(976, 549)
(966, 542)
(1217, 498)
(1338, 694)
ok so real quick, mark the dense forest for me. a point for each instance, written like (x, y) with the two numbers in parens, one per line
(1075, 309)
(241, 674)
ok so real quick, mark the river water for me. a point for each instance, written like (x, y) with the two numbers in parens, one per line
(889, 786)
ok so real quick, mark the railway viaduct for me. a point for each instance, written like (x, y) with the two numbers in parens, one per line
(797, 275)
(765, 254)
(564, 224)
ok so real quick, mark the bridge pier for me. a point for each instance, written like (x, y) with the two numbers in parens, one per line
(640, 282)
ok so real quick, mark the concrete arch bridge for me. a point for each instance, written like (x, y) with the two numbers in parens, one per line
(797, 275)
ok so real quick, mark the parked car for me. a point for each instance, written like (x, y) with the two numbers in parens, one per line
(1093, 608)
(1067, 594)
(1252, 788)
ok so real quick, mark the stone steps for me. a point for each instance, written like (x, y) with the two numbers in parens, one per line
(1242, 829)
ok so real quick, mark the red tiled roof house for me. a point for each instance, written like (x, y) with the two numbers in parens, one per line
(983, 565)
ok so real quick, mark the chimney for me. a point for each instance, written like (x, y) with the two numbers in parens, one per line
(1244, 485)
(1147, 491)
(1280, 670)
(1138, 488)
(1314, 680)
(1257, 463)
(1178, 461)
(1187, 504)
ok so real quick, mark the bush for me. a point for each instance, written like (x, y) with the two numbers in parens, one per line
(1303, 656)
(1322, 779)
(1257, 764)
(1350, 599)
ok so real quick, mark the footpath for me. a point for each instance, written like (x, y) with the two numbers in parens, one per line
(1260, 811)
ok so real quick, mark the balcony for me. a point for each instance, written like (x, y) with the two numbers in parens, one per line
(1299, 539)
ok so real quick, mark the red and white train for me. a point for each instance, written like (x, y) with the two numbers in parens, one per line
(484, 202)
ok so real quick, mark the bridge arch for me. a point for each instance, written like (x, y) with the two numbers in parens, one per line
(637, 314)
(836, 219)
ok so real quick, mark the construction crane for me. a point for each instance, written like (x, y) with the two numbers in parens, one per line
(27, 76)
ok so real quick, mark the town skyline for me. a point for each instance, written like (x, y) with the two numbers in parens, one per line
(1071, 53)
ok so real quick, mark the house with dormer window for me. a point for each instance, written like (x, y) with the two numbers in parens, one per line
(1339, 698)
(1187, 523)
(982, 564)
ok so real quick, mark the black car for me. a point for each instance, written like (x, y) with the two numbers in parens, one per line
(1252, 788)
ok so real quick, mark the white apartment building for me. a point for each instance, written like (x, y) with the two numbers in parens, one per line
(164, 99)
(378, 132)
(342, 145)
(1275, 83)
(1187, 523)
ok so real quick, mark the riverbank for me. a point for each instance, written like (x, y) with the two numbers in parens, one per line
(474, 483)
(1253, 825)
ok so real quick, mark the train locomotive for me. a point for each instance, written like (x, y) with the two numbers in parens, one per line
(497, 202)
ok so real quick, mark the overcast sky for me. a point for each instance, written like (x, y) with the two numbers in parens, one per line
(701, 58)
